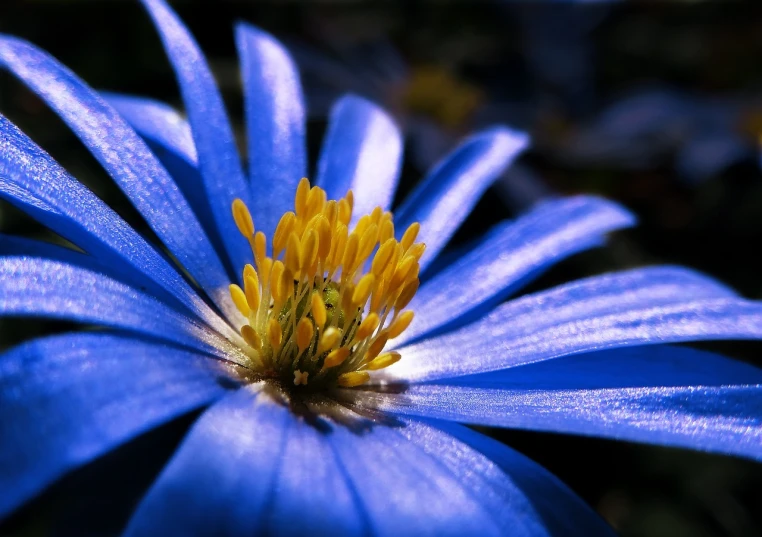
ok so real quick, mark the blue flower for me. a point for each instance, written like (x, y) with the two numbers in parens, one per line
(381, 453)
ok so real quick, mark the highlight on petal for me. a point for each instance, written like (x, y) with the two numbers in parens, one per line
(360, 477)
(636, 307)
(362, 151)
(249, 466)
(32, 181)
(65, 400)
(218, 159)
(126, 158)
(523, 497)
(509, 258)
(448, 193)
(721, 419)
(169, 136)
(275, 124)
(38, 287)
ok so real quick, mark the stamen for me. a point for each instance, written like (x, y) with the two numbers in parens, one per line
(325, 305)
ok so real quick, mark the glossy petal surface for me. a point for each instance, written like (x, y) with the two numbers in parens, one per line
(448, 193)
(513, 254)
(32, 286)
(127, 159)
(721, 419)
(247, 468)
(524, 498)
(218, 159)
(274, 108)
(636, 307)
(32, 181)
(67, 399)
(364, 478)
(362, 151)
(169, 136)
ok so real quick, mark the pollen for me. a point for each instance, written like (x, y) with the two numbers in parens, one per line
(324, 297)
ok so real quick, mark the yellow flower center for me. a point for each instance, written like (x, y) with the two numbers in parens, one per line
(321, 309)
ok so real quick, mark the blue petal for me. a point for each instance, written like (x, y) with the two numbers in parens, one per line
(66, 400)
(719, 418)
(513, 255)
(362, 151)
(32, 286)
(36, 184)
(218, 159)
(250, 466)
(127, 159)
(274, 123)
(169, 136)
(629, 367)
(522, 496)
(637, 307)
(448, 193)
(19, 246)
(156, 122)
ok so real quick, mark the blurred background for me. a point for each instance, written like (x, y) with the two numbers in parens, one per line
(656, 105)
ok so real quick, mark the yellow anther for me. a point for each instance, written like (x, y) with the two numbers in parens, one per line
(386, 231)
(383, 360)
(331, 212)
(242, 218)
(382, 257)
(275, 275)
(300, 200)
(375, 215)
(363, 289)
(319, 313)
(350, 253)
(345, 211)
(329, 338)
(304, 332)
(367, 326)
(378, 345)
(378, 296)
(307, 308)
(309, 251)
(391, 266)
(323, 228)
(260, 248)
(338, 245)
(346, 300)
(407, 294)
(400, 324)
(251, 288)
(274, 333)
(287, 283)
(354, 378)
(293, 253)
(362, 224)
(301, 377)
(367, 243)
(251, 337)
(239, 299)
(265, 270)
(411, 233)
(335, 357)
(315, 202)
(417, 250)
(282, 232)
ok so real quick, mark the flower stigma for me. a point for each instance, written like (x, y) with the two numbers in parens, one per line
(321, 309)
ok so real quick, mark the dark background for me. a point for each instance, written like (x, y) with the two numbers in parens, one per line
(549, 69)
